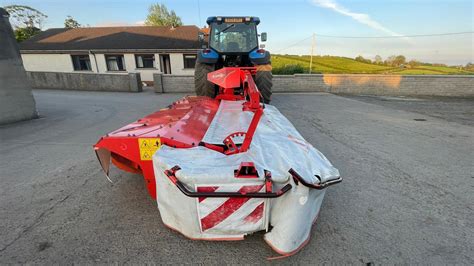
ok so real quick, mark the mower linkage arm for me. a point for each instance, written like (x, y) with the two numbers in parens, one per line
(268, 194)
(297, 178)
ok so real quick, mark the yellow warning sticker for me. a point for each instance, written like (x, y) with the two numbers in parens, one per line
(148, 147)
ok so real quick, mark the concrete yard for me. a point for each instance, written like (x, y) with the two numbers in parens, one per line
(407, 194)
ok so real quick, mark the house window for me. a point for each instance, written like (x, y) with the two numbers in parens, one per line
(81, 62)
(189, 60)
(115, 62)
(145, 60)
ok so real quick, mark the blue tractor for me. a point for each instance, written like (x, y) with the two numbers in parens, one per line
(232, 42)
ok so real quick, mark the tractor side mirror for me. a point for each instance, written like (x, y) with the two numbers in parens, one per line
(263, 36)
(201, 39)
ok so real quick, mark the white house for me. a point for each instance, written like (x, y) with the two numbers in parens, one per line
(143, 49)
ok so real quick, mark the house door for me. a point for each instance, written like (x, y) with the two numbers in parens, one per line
(165, 64)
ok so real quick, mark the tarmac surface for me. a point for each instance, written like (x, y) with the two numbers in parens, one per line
(407, 194)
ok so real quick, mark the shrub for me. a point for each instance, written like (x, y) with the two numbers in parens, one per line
(289, 70)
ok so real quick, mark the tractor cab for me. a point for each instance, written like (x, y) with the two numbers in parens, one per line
(233, 35)
(232, 42)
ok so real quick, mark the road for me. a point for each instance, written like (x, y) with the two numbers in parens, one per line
(406, 197)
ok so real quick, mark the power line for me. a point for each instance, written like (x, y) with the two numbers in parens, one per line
(397, 36)
(296, 43)
(375, 37)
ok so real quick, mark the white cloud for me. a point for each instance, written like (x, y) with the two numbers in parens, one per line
(359, 17)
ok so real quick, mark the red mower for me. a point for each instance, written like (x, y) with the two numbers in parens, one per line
(227, 164)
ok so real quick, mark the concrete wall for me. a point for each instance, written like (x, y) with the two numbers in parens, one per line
(63, 63)
(16, 100)
(125, 82)
(394, 85)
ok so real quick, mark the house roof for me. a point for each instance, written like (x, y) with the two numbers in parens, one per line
(114, 38)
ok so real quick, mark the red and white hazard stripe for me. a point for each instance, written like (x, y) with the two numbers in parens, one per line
(231, 215)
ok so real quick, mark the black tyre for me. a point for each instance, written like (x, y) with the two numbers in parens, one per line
(201, 85)
(263, 80)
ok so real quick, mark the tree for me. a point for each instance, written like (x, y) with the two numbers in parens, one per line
(158, 15)
(414, 63)
(389, 61)
(360, 58)
(26, 21)
(22, 34)
(378, 60)
(71, 23)
(469, 66)
(395, 60)
(400, 60)
(25, 16)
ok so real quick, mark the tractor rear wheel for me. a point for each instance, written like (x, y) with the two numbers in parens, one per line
(263, 80)
(201, 85)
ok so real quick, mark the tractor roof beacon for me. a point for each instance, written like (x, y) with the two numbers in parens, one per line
(233, 42)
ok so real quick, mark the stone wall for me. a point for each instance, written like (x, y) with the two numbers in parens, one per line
(86, 81)
(357, 84)
(393, 85)
(173, 83)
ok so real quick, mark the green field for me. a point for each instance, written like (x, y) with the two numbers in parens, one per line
(289, 64)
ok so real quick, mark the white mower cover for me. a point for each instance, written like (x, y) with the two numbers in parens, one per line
(276, 146)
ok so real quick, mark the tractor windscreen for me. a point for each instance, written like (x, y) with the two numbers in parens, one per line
(233, 37)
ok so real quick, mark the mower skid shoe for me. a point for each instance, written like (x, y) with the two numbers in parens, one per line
(104, 156)
(290, 235)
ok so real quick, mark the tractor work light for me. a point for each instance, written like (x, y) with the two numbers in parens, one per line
(234, 20)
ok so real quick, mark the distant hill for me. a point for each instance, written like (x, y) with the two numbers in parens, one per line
(292, 64)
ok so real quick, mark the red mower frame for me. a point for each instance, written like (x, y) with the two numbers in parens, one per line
(181, 125)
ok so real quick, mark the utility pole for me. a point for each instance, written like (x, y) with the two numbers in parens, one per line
(312, 50)
(199, 13)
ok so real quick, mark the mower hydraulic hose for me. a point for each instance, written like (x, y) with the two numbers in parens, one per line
(171, 175)
(297, 178)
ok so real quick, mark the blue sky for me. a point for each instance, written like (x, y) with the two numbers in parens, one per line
(288, 22)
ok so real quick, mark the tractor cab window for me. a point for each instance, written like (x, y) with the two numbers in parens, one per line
(233, 37)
